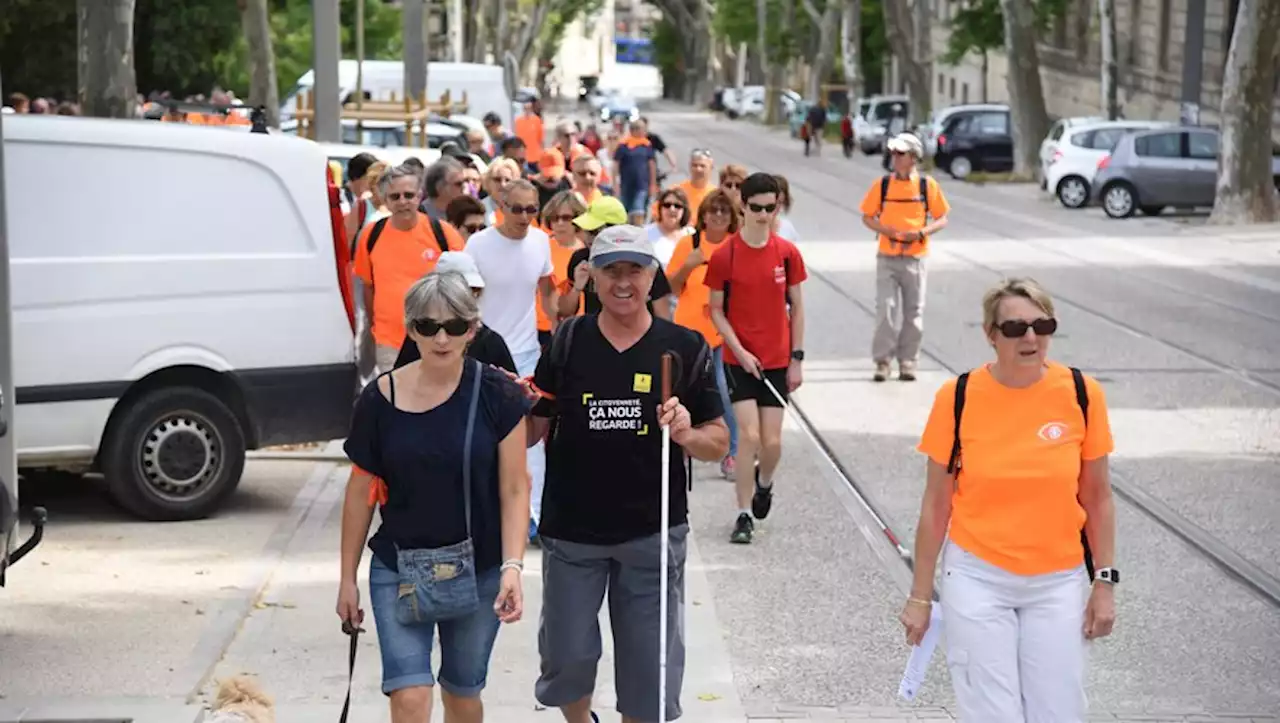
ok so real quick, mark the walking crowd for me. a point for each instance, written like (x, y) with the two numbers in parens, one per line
(519, 305)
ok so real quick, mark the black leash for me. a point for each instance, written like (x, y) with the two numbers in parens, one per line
(354, 633)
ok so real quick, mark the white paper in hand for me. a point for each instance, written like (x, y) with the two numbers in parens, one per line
(918, 663)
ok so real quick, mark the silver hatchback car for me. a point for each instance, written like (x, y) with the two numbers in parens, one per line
(1149, 170)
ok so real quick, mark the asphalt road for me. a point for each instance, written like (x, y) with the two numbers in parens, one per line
(112, 618)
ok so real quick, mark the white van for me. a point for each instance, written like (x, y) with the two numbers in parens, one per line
(176, 301)
(486, 91)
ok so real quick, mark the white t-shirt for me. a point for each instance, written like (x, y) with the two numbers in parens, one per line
(511, 269)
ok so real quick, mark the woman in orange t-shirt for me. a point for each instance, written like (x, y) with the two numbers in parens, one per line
(687, 271)
(557, 219)
(1030, 471)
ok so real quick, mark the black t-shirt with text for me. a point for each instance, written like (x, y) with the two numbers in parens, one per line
(604, 474)
(590, 303)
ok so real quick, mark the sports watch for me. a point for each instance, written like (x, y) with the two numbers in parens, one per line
(798, 354)
(1107, 575)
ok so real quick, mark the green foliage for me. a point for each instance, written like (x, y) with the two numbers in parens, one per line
(979, 26)
(173, 42)
(561, 15)
(38, 47)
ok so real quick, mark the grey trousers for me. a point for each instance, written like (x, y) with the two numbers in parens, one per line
(900, 289)
(575, 579)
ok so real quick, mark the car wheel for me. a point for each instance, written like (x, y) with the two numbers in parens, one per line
(1073, 192)
(1119, 200)
(1151, 210)
(960, 167)
(174, 453)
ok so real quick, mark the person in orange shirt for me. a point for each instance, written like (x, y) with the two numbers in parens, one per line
(1018, 491)
(557, 219)
(529, 128)
(687, 271)
(699, 182)
(404, 250)
(898, 208)
(587, 176)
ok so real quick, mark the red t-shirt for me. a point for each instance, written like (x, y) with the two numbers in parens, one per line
(757, 302)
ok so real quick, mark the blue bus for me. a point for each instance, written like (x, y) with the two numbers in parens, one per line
(634, 50)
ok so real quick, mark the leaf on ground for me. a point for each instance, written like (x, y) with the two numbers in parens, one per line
(708, 697)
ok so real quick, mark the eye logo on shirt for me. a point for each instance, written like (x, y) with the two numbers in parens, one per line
(1052, 432)
(429, 254)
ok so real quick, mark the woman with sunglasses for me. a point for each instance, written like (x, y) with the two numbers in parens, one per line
(1007, 497)
(500, 174)
(557, 218)
(439, 446)
(718, 217)
(466, 214)
(671, 224)
(488, 346)
(580, 297)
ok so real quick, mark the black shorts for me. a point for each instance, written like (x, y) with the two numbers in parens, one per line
(744, 386)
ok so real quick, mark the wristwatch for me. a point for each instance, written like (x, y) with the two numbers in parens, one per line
(798, 354)
(1108, 575)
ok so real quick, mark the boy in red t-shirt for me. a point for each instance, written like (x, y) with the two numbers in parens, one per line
(757, 307)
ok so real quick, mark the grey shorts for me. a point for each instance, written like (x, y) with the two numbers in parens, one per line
(575, 578)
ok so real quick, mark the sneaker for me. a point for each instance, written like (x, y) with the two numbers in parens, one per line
(906, 371)
(728, 468)
(882, 371)
(762, 500)
(743, 529)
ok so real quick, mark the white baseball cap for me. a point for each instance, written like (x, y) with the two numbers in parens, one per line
(623, 243)
(457, 262)
(907, 143)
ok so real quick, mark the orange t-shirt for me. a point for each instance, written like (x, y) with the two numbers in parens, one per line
(695, 196)
(693, 308)
(529, 129)
(399, 259)
(904, 209)
(560, 256)
(1015, 500)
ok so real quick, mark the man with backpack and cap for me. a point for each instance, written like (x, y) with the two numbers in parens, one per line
(898, 207)
(601, 410)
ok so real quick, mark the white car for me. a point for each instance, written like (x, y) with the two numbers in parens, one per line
(1073, 163)
(1050, 142)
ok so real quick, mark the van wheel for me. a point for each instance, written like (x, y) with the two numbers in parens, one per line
(175, 454)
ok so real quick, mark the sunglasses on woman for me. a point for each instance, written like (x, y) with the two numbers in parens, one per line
(428, 328)
(1014, 329)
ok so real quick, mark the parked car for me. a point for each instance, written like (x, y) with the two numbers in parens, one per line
(975, 140)
(874, 121)
(157, 349)
(930, 131)
(1074, 162)
(1174, 166)
(619, 106)
(1051, 139)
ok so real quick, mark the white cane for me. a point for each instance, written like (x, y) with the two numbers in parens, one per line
(665, 544)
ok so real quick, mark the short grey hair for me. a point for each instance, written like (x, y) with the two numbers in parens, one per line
(393, 174)
(447, 289)
(438, 172)
(520, 184)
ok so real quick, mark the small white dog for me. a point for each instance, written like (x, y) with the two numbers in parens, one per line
(241, 700)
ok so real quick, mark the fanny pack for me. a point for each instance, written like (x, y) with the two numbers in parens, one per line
(440, 583)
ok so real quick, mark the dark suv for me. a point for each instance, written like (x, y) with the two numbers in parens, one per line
(975, 140)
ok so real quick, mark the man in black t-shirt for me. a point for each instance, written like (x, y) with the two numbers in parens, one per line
(601, 398)
(606, 212)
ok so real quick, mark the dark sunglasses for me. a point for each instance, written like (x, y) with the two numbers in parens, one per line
(763, 207)
(719, 211)
(428, 328)
(1017, 329)
(527, 210)
(561, 218)
(474, 228)
(731, 184)
(673, 204)
(397, 196)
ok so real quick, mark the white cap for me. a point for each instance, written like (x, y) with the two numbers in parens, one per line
(907, 143)
(456, 262)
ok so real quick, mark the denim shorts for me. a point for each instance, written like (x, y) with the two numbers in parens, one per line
(636, 201)
(465, 643)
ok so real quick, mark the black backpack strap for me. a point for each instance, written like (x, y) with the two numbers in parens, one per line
(560, 345)
(439, 233)
(697, 239)
(961, 382)
(884, 190)
(924, 195)
(375, 232)
(1082, 398)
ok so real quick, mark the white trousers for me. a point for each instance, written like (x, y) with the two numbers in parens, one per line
(1015, 643)
(535, 456)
